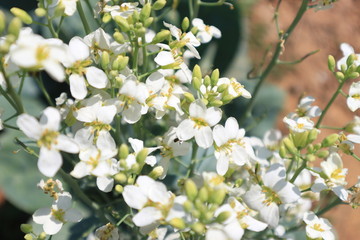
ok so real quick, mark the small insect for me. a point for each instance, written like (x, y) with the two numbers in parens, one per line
(178, 140)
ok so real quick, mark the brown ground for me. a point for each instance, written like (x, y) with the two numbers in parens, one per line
(323, 30)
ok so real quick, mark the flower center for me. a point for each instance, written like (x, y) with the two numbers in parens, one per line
(271, 196)
(317, 227)
(228, 146)
(48, 138)
(199, 122)
(42, 53)
(356, 96)
(337, 174)
(58, 214)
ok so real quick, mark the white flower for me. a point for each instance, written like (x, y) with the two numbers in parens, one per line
(69, 6)
(205, 32)
(353, 100)
(106, 232)
(124, 10)
(235, 88)
(199, 124)
(275, 191)
(231, 146)
(347, 50)
(318, 228)
(50, 141)
(60, 212)
(304, 109)
(299, 125)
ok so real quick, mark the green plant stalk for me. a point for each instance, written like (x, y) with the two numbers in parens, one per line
(192, 165)
(355, 156)
(212, 4)
(298, 171)
(51, 27)
(323, 113)
(14, 96)
(194, 9)
(43, 90)
(336, 202)
(82, 17)
(144, 53)
(4, 93)
(135, 58)
(273, 62)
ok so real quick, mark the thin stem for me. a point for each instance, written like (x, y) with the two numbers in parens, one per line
(336, 202)
(330, 127)
(355, 156)
(21, 83)
(330, 103)
(212, 4)
(6, 96)
(298, 171)
(14, 96)
(181, 163)
(9, 126)
(122, 219)
(60, 23)
(82, 17)
(144, 53)
(191, 168)
(43, 90)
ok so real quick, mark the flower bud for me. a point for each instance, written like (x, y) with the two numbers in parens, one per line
(289, 145)
(300, 139)
(120, 178)
(207, 81)
(105, 59)
(330, 140)
(196, 213)
(194, 30)
(22, 15)
(198, 227)
(42, 236)
(131, 180)
(188, 206)
(196, 83)
(28, 237)
(106, 18)
(123, 151)
(136, 168)
(227, 98)
(331, 63)
(178, 223)
(190, 189)
(215, 77)
(119, 38)
(2, 22)
(141, 156)
(161, 36)
(197, 72)
(310, 158)
(222, 217)
(40, 12)
(135, 17)
(26, 228)
(122, 23)
(119, 188)
(156, 172)
(353, 75)
(282, 151)
(145, 12)
(322, 154)
(159, 4)
(312, 135)
(351, 59)
(339, 76)
(203, 194)
(217, 196)
(14, 27)
(148, 22)
(185, 24)
(222, 87)
(189, 97)
(216, 103)
(346, 148)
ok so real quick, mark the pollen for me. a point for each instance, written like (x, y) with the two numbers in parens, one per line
(58, 214)
(48, 138)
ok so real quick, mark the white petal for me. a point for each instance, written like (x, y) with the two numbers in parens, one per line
(42, 215)
(30, 126)
(105, 184)
(134, 197)
(274, 174)
(232, 127)
(132, 114)
(147, 216)
(185, 130)
(51, 118)
(66, 144)
(79, 50)
(204, 137)
(77, 86)
(197, 109)
(72, 215)
(55, 70)
(106, 114)
(222, 164)
(80, 170)
(136, 144)
(219, 135)
(96, 77)
(213, 115)
(164, 58)
(63, 201)
(49, 162)
(52, 227)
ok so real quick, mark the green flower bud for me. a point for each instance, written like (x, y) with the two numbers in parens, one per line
(22, 15)
(312, 135)
(207, 81)
(185, 24)
(310, 148)
(178, 223)
(106, 18)
(215, 77)
(198, 227)
(197, 72)
(339, 76)
(322, 153)
(159, 4)
(119, 38)
(310, 158)
(148, 22)
(156, 172)
(216, 103)
(222, 217)
(189, 97)
(120, 178)
(196, 213)
(282, 151)
(330, 140)
(358, 69)
(14, 27)
(331, 63)
(351, 59)
(203, 194)
(141, 156)
(122, 23)
(28, 237)
(346, 148)
(205, 101)
(161, 36)
(289, 145)
(131, 180)
(26, 228)
(123, 151)
(2, 22)
(123, 62)
(105, 60)
(227, 98)
(119, 188)
(136, 168)
(317, 146)
(40, 12)
(196, 83)
(140, 31)
(145, 12)
(300, 139)
(42, 236)
(223, 87)
(188, 206)
(135, 17)
(217, 196)
(194, 30)
(191, 189)
(353, 75)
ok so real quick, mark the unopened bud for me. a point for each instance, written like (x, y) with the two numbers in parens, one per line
(142, 155)
(207, 81)
(198, 227)
(185, 24)
(310, 157)
(122, 23)
(339, 75)
(322, 153)
(178, 223)
(282, 151)
(189, 97)
(123, 151)
(15, 26)
(227, 98)
(197, 72)
(40, 12)
(353, 75)
(331, 63)
(312, 135)
(188, 206)
(300, 139)
(156, 172)
(131, 180)
(161, 36)
(106, 18)
(191, 189)
(119, 188)
(203, 194)
(330, 140)
(120, 178)
(2, 22)
(222, 217)
(289, 145)
(222, 87)
(148, 22)
(351, 59)
(26, 228)
(22, 15)
(145, 12)
(42, 236)
(119, 38)
(217, 196)
(28, 237)
(135, 17)
(105, 59)
(215, 77)
(196, 83)
(159, 4)
(216, 103)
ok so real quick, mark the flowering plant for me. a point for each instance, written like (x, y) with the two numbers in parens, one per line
(131, 133)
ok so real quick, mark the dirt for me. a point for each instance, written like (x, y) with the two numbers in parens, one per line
(323, 30)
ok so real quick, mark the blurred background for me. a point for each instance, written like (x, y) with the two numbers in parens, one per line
(248, 31)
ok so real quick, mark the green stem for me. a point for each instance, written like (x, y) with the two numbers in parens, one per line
(192, 165)
(355, 156)
(298, 171)
(148, 73)
(82, 17)
(9, 126)
(330, 127)
(43, 90)
(336, 202)
(144, 52)
(273, 62)
(135, 58)
(60, 23)
(212, 4)
(122, 219)
(14, 96)
(5, 95)
(330, 103)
